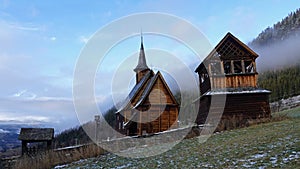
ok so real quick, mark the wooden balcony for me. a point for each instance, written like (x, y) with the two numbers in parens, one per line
(233, 80)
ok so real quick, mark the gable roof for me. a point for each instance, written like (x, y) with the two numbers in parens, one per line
(135, 90)
(222, 50)
(150, 86)
(141, 83)
(36, 134)
(230, 37)
(146, 83)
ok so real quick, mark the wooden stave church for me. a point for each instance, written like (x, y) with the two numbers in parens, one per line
(142, 115)
(236, 78)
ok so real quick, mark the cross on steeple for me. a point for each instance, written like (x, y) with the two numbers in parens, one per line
(141, 67)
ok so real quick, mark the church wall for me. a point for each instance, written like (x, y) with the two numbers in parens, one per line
(159, 94)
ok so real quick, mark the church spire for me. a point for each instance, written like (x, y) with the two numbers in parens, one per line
(142, 65)
(141, 69)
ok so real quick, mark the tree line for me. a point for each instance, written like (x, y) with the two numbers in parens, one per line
(283, 83)
(77, 135)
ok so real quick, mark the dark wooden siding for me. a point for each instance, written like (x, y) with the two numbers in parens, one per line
(241, 107)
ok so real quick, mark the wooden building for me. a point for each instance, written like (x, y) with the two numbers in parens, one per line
(150, 106)
(36, 135)
(230, 71)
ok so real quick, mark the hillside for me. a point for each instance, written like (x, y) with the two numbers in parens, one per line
(282, 30)
(269, 145)
(279, 61)
(77, 135)
(9, 142)
(278, 46)
(283, 83)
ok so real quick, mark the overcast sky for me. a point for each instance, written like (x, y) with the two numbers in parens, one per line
(40, 42)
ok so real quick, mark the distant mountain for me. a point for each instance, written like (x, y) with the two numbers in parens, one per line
(9, 136)
(279, 61)
(278, 46)
(287, 27)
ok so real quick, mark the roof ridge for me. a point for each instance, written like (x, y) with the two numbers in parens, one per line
(214, 50)
(132, 94)
(148, 89)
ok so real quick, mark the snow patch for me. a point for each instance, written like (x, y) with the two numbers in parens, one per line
(259, 156)
(4, 131)
(60, 166)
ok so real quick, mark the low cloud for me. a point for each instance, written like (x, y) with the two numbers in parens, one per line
(23, 119)
(4, 131)
(280, 54)
(24, 94)
(54, 112)
(84, 39)
(53, 38)
(25, 26)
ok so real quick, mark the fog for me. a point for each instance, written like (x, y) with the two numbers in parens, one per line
(278, 55)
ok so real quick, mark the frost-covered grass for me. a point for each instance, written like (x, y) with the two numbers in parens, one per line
(269, 145)
(293, 113)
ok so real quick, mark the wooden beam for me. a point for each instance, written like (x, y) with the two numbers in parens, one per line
(159, 121)
(209, 69)
(222, 67)
(140, 123)
(254, 66)
(243, 66)
(176, 122)
(169, 112)
(232, 66)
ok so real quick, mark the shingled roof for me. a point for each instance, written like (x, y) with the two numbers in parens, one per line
(146, 84)
(36, 134)
(135, 90)
(149, 86)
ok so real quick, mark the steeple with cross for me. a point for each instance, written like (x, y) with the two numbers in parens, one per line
(141, 69)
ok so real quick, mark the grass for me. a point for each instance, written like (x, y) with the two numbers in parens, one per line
(268, 145)
(292, 113)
